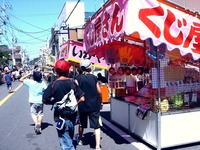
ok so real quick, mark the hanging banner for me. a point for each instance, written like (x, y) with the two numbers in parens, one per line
(107, 25)
(75, 52)
(63, 53)
(162, 21)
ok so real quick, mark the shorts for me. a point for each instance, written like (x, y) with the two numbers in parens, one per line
(9, 85)
(93, 119)
(36, 109)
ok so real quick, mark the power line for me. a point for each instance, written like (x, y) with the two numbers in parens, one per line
(14, 28)
(43, 30)
(72, 11)
(27, 33)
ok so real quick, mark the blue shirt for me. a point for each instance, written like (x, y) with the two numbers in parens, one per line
(35, 90)
(8, 78)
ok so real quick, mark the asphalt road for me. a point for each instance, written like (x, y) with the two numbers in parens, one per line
(16, 128)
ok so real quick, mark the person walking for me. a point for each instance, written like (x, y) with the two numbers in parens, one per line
(102, 79)
(36, 87)
(54, 93)
(8, 79)
(1, 78)
(92, 105)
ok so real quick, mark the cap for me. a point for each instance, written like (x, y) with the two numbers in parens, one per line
(6, 69)
(62, 66)
(86, 63)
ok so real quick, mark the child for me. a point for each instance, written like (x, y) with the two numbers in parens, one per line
(8, 79)
(36, 88)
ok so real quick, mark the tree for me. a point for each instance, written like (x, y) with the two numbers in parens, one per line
(4, 58)
(19, 64)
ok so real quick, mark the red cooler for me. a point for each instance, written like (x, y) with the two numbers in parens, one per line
(105, 93)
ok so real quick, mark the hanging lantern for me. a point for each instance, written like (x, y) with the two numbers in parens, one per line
(112, 55)
(138, 55)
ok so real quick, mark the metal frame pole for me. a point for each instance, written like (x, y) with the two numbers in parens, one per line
(159, 101)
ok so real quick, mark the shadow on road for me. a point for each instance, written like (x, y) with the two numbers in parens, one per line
(89, 139)
(44, 125)
(117, 138)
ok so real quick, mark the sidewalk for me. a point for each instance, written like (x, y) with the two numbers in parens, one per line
(114, 138)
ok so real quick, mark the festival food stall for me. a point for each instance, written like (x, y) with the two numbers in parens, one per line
(161, 106)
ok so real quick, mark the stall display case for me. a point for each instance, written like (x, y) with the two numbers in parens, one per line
(177, 127)
(179, 106)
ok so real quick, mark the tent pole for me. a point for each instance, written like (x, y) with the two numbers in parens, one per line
(74, 71)
(159, 101)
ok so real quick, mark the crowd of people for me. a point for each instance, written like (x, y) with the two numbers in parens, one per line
(88, 94)
(52, 88)
(9, 75)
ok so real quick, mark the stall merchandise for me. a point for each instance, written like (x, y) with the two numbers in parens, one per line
(166, 98)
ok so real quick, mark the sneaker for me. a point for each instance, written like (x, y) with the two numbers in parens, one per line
(79, 142)
(38, 129)
(10, 89)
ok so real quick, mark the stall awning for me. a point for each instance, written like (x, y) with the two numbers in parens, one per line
(159, 20)
(73, 51)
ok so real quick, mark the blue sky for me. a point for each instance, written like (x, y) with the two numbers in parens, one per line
(30, 21)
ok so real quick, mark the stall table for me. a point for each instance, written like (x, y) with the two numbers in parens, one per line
(177, 127)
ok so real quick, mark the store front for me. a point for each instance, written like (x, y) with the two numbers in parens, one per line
(161, 103)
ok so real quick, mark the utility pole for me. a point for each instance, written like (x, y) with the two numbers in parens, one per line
(14, 41)
(4, 18)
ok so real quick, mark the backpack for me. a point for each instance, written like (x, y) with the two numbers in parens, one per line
(68, 105)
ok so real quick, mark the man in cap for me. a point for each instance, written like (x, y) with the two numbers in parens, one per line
(92, 105)
(55, 92)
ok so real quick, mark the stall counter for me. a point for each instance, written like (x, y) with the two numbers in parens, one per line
(177, 128)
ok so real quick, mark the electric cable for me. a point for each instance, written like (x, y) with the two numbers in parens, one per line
(72, 11)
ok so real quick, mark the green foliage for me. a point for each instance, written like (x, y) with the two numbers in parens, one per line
(19, 64)
(4, 57)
